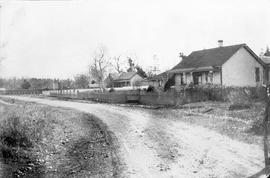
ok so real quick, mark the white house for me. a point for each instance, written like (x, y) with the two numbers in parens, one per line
(235, 65)
(125, 79)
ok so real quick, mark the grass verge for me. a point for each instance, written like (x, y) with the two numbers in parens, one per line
(42, 141)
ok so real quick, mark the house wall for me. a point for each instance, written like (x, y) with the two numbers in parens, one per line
(134, 79)
(177, 79)
(216, 78)
(239, 70)
(203, 78)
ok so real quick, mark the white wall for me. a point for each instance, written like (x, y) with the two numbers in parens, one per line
(216, 78)
(135, 78)
(177, 79)
(239, 70)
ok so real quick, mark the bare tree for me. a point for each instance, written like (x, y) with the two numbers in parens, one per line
(117, 64)
(131, 65)
(99, 66)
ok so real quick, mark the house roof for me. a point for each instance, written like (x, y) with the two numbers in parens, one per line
(214, 57)
(160, 76)
(114, 76)
(126, 75)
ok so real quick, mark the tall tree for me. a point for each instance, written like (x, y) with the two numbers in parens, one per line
(140, 71)
(117, 64)
(81, 81)
(25, 84)
(99, 66)
(131, 65)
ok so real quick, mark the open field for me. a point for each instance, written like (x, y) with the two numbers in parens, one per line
(42, 141)
(197, 140)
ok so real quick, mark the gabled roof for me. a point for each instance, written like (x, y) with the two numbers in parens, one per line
(208, 57)
(214, 57)
(126, 75)
(114, 76)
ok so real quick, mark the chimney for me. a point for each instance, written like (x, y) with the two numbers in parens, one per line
(181, 56)
(220, 43)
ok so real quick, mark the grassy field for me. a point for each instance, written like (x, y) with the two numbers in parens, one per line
(42, 141)
(244, 124)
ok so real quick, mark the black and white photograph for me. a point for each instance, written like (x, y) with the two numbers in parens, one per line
(134, 89)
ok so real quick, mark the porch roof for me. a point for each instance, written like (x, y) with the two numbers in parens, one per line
(198, 69)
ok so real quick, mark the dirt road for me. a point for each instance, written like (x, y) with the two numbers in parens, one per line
(166, 147)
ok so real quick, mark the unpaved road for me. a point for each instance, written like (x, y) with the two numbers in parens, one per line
(166, 147)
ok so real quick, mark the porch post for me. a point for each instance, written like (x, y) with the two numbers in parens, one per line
(191, 77)
(184, 78)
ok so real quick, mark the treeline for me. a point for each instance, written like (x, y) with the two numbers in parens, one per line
(80, 81)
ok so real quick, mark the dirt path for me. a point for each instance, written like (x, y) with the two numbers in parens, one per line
(166, 147)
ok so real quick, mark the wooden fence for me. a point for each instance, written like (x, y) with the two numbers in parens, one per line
(171, 97)
(21, 92)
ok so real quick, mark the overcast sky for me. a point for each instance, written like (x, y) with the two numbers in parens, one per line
(57, 38)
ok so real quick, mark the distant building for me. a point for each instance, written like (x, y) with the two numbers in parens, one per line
(123, 79)
(235, 65)
(156, 80)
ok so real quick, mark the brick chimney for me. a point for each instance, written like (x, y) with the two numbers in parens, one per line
(220, 43)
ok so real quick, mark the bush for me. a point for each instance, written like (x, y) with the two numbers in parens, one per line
(16, 146)
(111, 90)
(25, 85)
(258, 126)
(239, 99)
(150, 88)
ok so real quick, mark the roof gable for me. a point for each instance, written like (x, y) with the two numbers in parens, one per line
(126, 75)
(160, 76)
(208, 57)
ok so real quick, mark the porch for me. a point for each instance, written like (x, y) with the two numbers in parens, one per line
(197, 76)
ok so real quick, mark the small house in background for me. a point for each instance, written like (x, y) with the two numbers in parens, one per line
(109, 81)
(156, 80)
(235, 65)
(93, 85)
(2, 90)
(124, 79)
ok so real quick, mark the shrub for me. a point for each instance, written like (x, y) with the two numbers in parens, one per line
(111, 90)
(16, 146)
(239, 99)
(150, 88)
(258, 126)
(25, 84)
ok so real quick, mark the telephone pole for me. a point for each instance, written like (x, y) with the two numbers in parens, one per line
(266, 129)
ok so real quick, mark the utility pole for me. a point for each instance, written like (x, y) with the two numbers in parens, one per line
(0, 32)
(266, 129)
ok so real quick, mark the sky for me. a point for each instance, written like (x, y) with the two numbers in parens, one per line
(57, 39)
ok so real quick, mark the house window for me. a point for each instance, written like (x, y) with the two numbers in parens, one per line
(182, 79)
(257, 74)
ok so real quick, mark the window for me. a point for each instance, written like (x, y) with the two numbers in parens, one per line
(257, 74)
(182, 79)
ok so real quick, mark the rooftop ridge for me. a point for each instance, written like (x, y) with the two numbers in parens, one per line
(241, 44)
